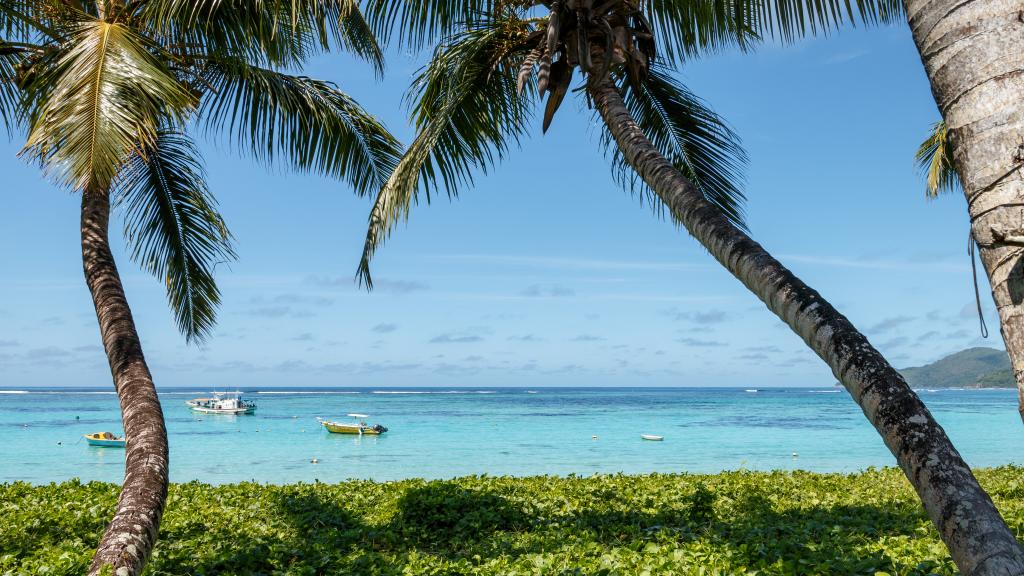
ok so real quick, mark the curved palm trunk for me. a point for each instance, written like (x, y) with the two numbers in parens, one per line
(130, 537)
(978, 539)
(973, 56)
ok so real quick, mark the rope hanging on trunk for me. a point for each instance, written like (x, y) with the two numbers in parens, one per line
(971, 244)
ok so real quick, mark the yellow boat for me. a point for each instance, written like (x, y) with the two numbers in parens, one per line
(104, 440)
(359, 426)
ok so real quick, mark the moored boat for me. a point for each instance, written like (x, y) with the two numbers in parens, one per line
(222, 403)
(652, 437)
(358, 426)
(104, 440)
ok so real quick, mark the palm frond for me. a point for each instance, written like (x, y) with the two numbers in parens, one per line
(280, 33)
(690, 28)
(174, 230)
(789, 20)
(690, 135)
(356, 35)
(256, 30)
(10, 100)
(419, 23)
(309, 123)
(467, 113)
(24, 20)
(934, 159)
(98, 101)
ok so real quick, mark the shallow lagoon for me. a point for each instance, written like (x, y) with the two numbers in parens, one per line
(443, 433)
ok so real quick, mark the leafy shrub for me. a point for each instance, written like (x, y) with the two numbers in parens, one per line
(702, 505)
(443, 508)
(775, 523)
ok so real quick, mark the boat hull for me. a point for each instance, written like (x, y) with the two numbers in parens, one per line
(230, 412)
(339, 428)
(100, 442)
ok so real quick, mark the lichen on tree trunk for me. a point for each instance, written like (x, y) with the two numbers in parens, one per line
(978, 539)
(129, 539)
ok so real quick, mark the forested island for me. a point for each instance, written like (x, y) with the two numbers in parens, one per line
(971, 368)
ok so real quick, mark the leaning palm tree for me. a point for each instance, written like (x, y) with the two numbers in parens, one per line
(473, 102)
(106, 92)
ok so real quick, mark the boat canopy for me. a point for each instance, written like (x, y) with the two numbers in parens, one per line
(359, 415)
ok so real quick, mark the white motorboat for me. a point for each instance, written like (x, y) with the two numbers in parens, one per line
(222, 403)
(652, 437)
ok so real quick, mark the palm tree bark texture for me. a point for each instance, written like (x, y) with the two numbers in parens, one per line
(973, 53)
(979, 540)
(131, 534)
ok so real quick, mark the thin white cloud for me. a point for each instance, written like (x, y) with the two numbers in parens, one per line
(384, 328)
(848, 56)
(890, 323)
(547, 291)
(455, 338)
(571, 263)
(608, 297)
(871, 263)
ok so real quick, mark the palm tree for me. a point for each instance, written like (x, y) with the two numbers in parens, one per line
(936, 161)
(973, 59)
(470, 106)
(106, 92)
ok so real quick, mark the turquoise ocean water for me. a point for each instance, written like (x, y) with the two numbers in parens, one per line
(441, 433)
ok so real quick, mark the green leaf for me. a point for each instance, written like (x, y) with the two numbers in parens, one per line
(281, 33)
(934, 159)
(691, 28)
(419, 23)
(690, 135)
(467, 113)
(24, 20)
(311, 124)
(683, 28)
(98, 101)
(356, 35)
(10, 99)
(763, 523)
(790, 20)
(173, 228)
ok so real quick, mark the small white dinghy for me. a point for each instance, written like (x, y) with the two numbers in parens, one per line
(652, 437)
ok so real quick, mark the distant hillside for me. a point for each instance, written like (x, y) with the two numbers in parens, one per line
(971, 368)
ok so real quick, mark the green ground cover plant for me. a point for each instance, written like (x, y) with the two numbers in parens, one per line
(729, 523)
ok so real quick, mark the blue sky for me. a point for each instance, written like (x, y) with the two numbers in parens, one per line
(545, 273)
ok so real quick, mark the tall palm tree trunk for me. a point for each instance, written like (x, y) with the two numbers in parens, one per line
(979, 541)
(130, 537)
(973, 53)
